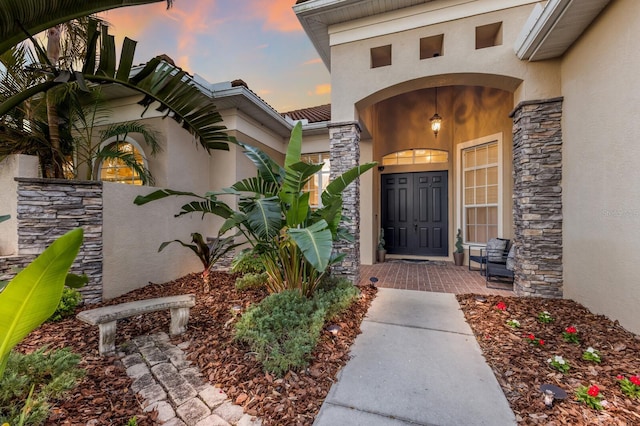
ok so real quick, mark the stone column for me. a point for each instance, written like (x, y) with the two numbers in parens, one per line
(345, 154)
(537, 197)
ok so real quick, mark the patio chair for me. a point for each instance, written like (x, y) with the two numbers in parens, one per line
(503, 272)
(495, 251)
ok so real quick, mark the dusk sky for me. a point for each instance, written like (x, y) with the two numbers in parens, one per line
(258, 41)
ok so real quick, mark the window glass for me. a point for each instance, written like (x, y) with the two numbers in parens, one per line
(116, 170)
(320, 180)
(481, 190)
(415, 156)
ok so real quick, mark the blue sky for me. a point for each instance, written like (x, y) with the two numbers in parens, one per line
(258, 41)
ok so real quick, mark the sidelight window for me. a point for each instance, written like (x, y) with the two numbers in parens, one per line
(480, 192)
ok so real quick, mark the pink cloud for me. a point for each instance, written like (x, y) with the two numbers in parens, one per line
(277, 14)
(323, 89)
(313, 61)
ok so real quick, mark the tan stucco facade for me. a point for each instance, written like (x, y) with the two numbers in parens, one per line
(600, 193)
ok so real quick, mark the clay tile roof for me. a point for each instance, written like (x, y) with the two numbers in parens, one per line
(312, 114)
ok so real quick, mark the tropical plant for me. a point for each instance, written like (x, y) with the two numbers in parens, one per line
(33, 295)
(294, 241)
(247, 261)
(5, 217)
(208, 253)
(69, 301)
(19, 18)
(159, 81)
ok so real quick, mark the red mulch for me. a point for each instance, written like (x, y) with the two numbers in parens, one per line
(521, 367)
(105, 394)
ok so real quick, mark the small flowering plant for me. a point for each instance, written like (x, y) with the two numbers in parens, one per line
(559, 364)
(591, 355)
(545, 317)
(570, 334)
(630, 386)
(513, 323)
(590, 396)
(533, 340)
(501, 306)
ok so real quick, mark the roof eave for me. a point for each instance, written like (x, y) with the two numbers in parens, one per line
(552, 29)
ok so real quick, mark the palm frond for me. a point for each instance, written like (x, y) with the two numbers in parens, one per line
(129, 159)
(38, 15)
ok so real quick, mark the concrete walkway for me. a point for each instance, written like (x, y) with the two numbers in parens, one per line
(416, 362)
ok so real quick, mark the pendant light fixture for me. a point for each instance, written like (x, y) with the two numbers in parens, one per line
(436, 120)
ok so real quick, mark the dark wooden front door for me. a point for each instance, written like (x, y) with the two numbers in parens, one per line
(415, 213)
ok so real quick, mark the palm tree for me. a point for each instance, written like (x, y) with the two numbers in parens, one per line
(158, 81)
(19, 18)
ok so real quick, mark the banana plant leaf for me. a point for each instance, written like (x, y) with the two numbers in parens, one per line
(35, 16)
(268, 169)
(33, 295)
(160, 194)
(341, 182)
(265, 217)
(315, 242)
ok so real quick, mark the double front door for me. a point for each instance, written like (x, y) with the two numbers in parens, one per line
(415, 213)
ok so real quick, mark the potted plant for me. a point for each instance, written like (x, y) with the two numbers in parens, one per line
(458, 255)
(381, 250)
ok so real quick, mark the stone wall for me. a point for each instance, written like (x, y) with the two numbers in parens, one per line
(345, 154)
(537, 197)
(47, 209)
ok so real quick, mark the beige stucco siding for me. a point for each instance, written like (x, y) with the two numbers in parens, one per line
(601, 195)
(460, 64)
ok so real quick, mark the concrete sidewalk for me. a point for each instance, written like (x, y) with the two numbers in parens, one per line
(416, 362)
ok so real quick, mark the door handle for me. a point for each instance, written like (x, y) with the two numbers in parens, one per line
(415, 227)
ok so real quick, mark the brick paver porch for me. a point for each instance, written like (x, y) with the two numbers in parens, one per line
(441, 277)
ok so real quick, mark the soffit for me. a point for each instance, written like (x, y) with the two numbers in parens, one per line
(317, 15)
(552, 29)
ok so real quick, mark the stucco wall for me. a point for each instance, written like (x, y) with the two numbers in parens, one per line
(460, 64)
(132, 235)
(11, 167)
(601, 196)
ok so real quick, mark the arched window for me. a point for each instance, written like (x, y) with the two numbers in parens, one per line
(415, 156)
(116, 170)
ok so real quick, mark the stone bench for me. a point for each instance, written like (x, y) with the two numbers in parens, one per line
(106, 317)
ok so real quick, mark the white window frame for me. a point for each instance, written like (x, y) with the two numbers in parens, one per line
(460, 217)
(127, 139)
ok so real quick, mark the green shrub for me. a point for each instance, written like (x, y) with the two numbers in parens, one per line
(284, 328)
(251, 280)
(247, 262)
(69, 301)
(335, 295)
(50, 375)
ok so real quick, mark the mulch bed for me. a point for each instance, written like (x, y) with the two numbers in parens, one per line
(104, 394)
(521, 367)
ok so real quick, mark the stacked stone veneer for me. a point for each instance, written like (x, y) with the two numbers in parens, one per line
(47, 209)
(537, 197)
(344, 155)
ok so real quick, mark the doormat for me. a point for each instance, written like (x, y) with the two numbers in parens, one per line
(418, 261)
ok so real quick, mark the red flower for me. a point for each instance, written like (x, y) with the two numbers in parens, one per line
(619, 377)
(635, 380)
(593, 391)
(501, 306)
(541, 342)
(571, 330)
(531, 336)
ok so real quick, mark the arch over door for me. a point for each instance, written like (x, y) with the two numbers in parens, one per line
(415, 213)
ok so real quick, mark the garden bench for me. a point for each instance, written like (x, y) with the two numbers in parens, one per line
(107, 316)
